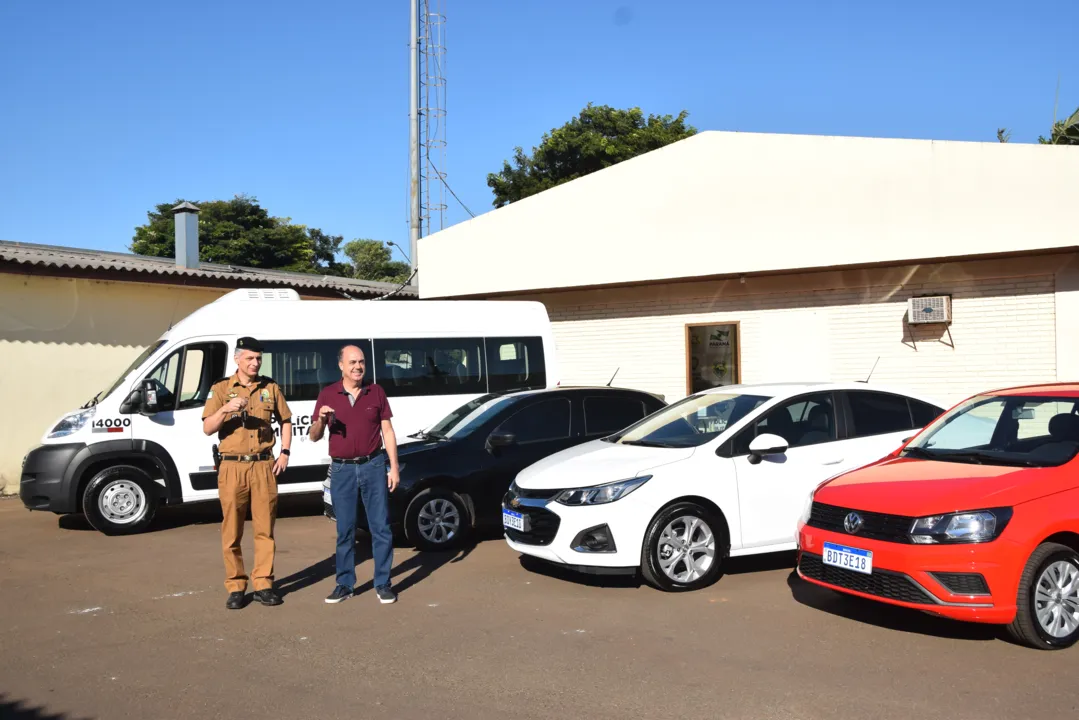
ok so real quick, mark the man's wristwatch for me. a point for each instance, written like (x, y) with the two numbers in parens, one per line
(285, 451)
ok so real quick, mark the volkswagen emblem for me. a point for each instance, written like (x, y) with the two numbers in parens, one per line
(852, 523)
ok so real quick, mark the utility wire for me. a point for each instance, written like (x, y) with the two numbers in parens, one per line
(443, 179)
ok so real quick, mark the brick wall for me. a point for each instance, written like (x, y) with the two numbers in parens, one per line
(823, 326)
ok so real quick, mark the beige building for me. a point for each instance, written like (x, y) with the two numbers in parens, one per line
(735, 257)
(71, 320)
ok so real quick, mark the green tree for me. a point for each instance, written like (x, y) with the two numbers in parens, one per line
(241, 232)
(372, 260)
(599, 137)
(1064, 132)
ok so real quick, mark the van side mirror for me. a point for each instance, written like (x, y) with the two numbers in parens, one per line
(148, 404)
(500, 439)
(766, 444)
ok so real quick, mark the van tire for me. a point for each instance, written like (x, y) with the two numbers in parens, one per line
(120, 500)
(655, 550)
(445, 504)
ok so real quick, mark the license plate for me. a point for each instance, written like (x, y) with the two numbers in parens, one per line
(513, 520)
(326, 496)
(848, 558)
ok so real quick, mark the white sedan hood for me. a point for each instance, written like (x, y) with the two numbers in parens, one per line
(595, 463)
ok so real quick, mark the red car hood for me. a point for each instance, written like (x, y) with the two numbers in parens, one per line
(914, 487)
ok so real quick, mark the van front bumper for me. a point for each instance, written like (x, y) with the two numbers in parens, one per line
(45, 483)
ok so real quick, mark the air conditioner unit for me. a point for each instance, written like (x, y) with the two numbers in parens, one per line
(936, 309)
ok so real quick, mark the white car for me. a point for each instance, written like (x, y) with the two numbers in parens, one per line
(725, 472)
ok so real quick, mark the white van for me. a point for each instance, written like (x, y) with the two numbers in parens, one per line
(118, 457)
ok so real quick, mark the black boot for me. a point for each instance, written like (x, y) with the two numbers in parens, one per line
(268, 597)
(235, 600)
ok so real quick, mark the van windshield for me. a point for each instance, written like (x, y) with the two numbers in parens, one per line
(136, 363)
(469, 416)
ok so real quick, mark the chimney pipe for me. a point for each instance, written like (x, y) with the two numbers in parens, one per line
(187, 235)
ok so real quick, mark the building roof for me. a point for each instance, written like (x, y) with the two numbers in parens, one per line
(724, 204)
(140, 268)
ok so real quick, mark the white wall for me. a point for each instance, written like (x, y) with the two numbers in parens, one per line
(834, 326)
(723, 203)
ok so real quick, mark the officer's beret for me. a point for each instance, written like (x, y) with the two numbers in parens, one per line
(249, 343)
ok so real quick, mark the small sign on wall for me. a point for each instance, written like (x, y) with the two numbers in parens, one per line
(712, 355)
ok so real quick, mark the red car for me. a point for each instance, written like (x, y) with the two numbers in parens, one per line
(975, 518)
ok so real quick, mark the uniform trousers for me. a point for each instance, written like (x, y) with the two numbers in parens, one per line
(243, 485)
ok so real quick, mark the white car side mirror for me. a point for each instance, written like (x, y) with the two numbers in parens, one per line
(766, 444)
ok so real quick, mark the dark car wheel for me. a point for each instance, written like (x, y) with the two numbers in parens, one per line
(684, 548)
(437, 519)
(120, 500)
(1047, 612)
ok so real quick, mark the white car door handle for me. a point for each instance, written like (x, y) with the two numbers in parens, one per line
(833, 462)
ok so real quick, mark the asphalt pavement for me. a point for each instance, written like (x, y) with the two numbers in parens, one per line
(136, 627)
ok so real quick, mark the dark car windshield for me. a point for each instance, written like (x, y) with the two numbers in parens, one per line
(690, 422)
(469, 416)
(134, 364)
(1033, 431)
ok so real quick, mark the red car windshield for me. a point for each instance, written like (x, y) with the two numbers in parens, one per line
(1004, 430)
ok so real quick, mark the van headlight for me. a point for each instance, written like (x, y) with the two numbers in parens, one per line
(601, 494)
(964, 527)
(70, 424)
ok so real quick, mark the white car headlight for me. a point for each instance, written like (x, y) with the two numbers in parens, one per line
(70, 424)
(601, 494)
(808, 509)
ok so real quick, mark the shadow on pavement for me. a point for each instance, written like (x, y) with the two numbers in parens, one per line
(206, 513)
(20, 710)
(890, 617)
(761, 563)
(559, 572)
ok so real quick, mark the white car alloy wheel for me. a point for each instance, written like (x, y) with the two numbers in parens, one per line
(684, 547)
(687, 549)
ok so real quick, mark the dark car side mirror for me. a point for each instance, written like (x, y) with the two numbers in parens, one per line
(500, 439)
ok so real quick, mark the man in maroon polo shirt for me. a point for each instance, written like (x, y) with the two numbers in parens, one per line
(358, 418)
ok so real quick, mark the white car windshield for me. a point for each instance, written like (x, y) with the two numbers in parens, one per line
(1003, 430)
(690, 422)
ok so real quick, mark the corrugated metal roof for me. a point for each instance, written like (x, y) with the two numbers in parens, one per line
(54, 256)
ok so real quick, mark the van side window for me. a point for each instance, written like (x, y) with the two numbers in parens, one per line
(303, 367)
(430, 366)
(515, 364)
(203, 364)
(183, 379)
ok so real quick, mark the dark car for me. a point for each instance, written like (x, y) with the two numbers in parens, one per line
(454, 476)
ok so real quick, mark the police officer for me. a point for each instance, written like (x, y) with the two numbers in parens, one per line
(240, 409)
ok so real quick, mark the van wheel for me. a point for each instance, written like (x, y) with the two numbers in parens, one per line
(437, 519)
(684, 548)
(1047, 607)
(120, 500)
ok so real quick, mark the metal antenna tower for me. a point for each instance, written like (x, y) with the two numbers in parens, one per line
(433, 115)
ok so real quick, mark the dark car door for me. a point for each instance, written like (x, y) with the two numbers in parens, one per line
(540, 428)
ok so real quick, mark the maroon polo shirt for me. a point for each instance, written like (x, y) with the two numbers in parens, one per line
(357, 428)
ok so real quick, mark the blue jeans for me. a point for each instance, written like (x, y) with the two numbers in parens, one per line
(368, 481)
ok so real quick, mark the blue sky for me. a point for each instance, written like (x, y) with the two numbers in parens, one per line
(112, 106)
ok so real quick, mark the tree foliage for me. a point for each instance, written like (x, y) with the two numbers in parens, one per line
(599, 137)
(372, 260)
(1064, 132)
(241, 232)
